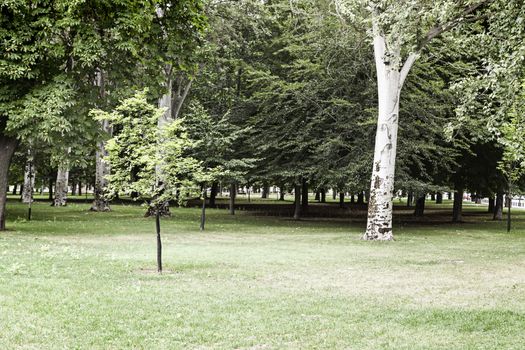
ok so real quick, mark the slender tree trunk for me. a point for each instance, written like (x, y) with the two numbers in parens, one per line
(439, 198)
(360, 198)
(297, 203)
(265, 190)
(159, 242)
(410, 198)
(317, 196)
(457, 209)
(323, 195)
(420, 205)
(80, 188)
(492, 204)
(509, 207)
(29, 180)
(281, 193)
(51, 181)
(100, 200)
(61, 188)
(7, 148)
(341, 199)
(304, 194)
(498, 209)
(334, 194)
(233, 192)
(14, 189)
(433, 196)
(352, 199)
(203, 212)
(213, 194)
(73, 189)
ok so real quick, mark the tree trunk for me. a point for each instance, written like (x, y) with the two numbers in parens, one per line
(14, 189)
(457, 209)
(159, 242)
(492, 204)
(73, 189)
(323, 195)
(334, 194)
(7, 148)
(410, 198)
(61, 187)
(29, 180)
(233, 190)
(439, 198)
(317, 196)
(389, 83)
(420, 205)
(281, 193)
(51, 181)
(433, 196)
(341, 199)
(213, 194)
(360, 198)
(304, 194)
(79, 188)
(265, 190)
(352, 199)
(449, 194)
(297, 203)
(100, 200)
(498, 209)
(203, 212)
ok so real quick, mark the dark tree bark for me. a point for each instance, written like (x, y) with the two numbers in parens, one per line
(341, 199)
(410, 198)
(352, 199)
(265, 190)
(297, 203)
(7, 148)
(360, 198)
(498, 209)
(73, 189)
(317, 196)
(281, 193)
(509, 207)
(420, 205)
(433, 196)
(323, 195)
(457, 209)
(79, 188)
(439, 198)
(51, 181)
(492, 204)
(304, 194)
(334, 194)
(159, 242)
(449, 194)
(213, 194)
(203, 212)
(14, 189)
(233, 193)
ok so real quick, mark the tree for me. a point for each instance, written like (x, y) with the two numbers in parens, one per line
(138, 149)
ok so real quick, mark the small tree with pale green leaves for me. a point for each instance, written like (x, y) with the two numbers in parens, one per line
(138, 152)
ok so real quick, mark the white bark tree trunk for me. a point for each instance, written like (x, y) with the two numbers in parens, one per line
(100, 200)
(61, 187)
(29, 180)
(390, 80)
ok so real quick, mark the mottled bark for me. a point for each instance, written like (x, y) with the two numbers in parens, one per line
(498, 209)
(7, 148)
(61, 187)
(29, 180)
(100, 200)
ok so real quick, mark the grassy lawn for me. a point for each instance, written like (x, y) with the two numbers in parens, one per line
(71, 279)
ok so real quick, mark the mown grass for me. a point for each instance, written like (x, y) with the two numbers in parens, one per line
(74, 279)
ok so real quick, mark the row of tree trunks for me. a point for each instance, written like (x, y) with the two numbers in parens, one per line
(7, 149)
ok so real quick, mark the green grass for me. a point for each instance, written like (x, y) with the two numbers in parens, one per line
(71, 279)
